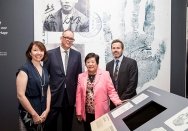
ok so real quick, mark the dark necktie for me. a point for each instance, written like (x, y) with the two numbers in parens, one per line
(66, 60)
(116, 74)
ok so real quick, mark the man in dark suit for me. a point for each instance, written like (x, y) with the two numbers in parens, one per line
(64, 64)
(67, 18)
(123, 71)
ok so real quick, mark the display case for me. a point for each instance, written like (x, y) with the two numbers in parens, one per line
(151, 110)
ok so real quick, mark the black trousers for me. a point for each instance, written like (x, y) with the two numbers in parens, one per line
(89, 119)
(66, 112)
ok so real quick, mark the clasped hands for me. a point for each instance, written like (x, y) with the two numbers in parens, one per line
(39, 119)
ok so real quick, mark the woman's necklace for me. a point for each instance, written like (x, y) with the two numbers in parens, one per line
(42, 82)
(91, 78)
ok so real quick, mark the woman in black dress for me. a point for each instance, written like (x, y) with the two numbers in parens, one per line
(33, 91)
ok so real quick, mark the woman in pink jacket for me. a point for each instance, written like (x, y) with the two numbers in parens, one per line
(94, 89)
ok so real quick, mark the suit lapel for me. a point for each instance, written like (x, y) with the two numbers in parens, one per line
(111, 68)
(122, 64)
(76, 20)
(73, 26)
(85, 77)
(58, 22)
(71, 59)
(97, 77)
(59, 59)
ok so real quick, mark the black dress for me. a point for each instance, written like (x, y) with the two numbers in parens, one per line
(36, 93)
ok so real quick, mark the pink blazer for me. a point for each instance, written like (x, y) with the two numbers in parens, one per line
(103, 90)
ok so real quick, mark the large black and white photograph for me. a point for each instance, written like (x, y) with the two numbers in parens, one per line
(143, 26)
(67, 17)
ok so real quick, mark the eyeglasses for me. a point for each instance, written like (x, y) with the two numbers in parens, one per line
(69, 38)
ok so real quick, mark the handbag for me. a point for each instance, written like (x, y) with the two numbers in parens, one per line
(28, 122)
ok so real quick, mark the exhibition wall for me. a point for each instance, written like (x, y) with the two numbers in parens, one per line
(17, 31)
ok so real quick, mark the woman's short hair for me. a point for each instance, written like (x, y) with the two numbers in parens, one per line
(92, 55)
(40, 45)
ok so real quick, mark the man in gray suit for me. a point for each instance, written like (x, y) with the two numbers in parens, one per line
(63, 64)
(123, 71)
(67, 18)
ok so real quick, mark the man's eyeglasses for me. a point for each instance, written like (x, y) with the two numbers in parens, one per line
(69, 38)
